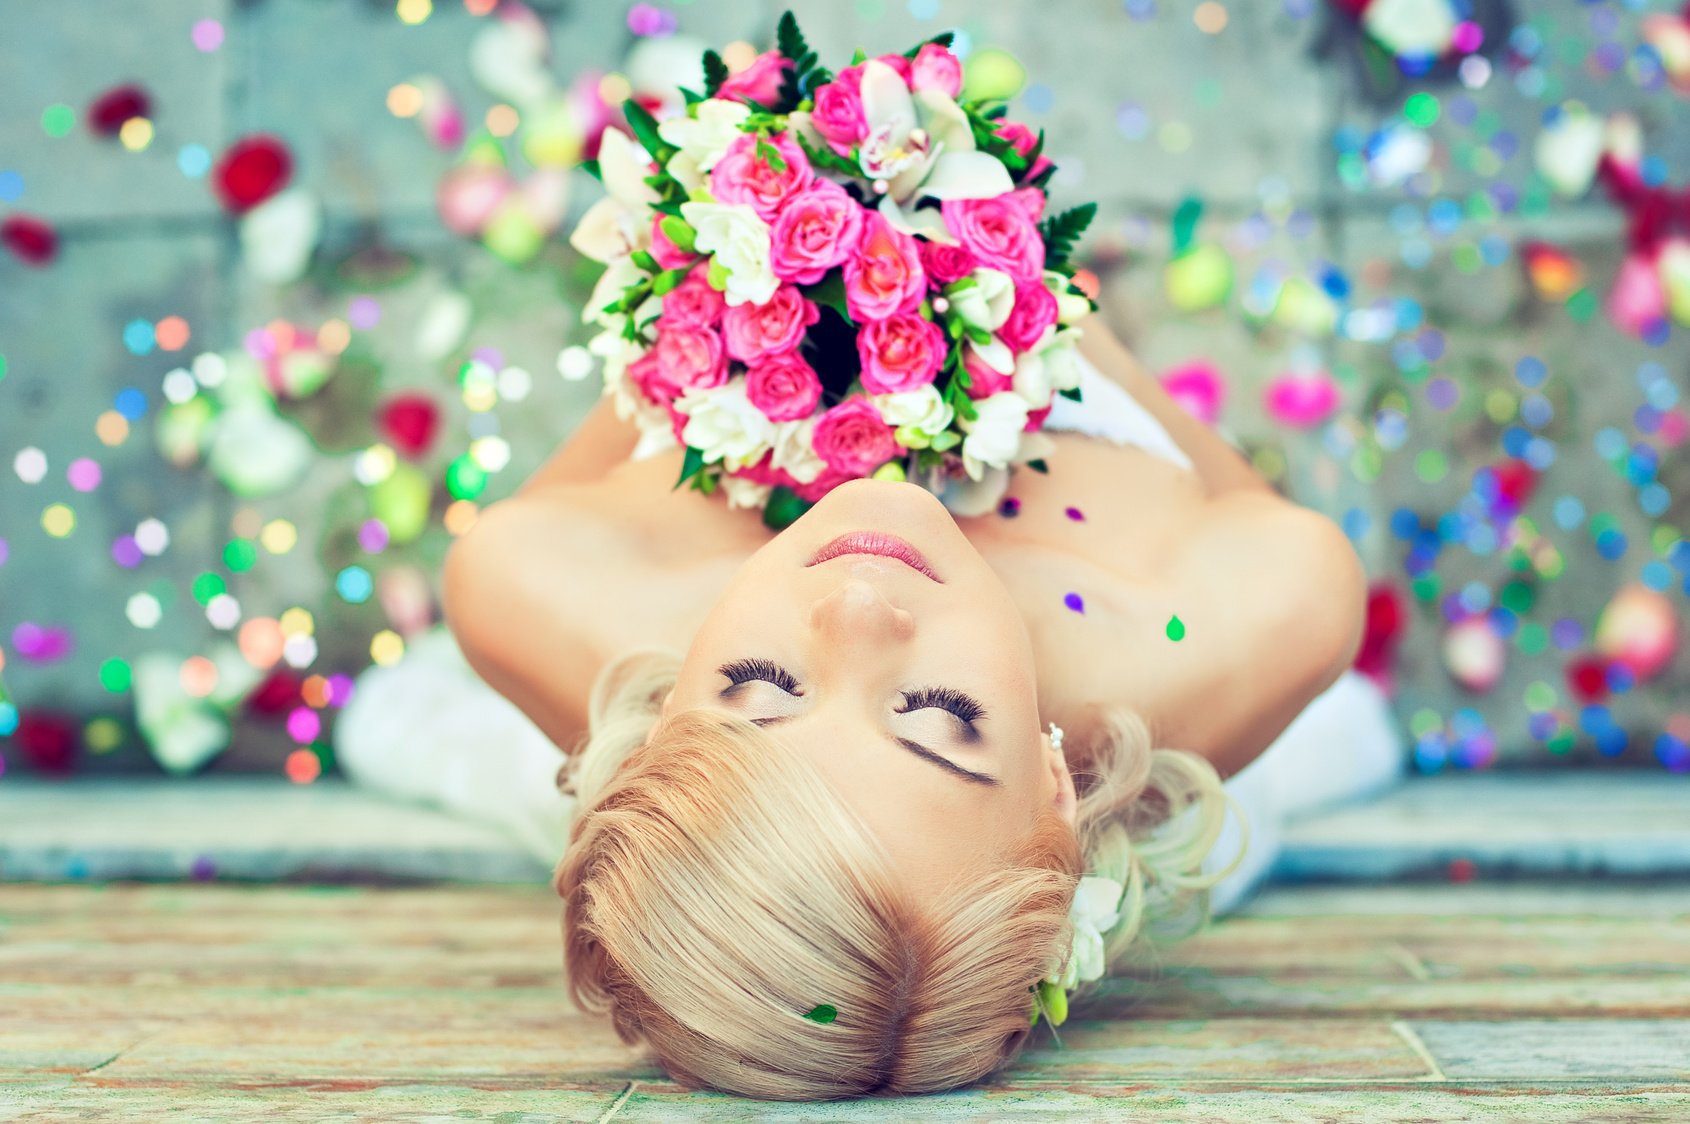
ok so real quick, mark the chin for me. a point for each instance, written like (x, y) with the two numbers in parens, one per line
(867, 497)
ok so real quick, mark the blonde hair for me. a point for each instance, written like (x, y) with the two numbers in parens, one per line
(717, 893)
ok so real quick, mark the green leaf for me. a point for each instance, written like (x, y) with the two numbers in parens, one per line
(825, 157)
(830, 291)
(645, 131)
(791, 43)
(644, 260)
(946, 440)
(591, 167)
(1185, 223)
(770, 155)
(666, 281)
(1038, 466)
(943, 39)
(691, 97)
(858, 57)
(1072, 392)
(1060, 232)
(715, 73)
(824, 1012)
(784, 508)
(691, 465)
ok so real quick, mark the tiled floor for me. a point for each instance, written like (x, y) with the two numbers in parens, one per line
(1536, 1001)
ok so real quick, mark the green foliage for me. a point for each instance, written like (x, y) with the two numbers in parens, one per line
(789, 39)
(645, 131)
(715, 73)
(591, 167)
(943, 39)
(784, 508)
(1072, 392)
(801, 76)
(824, 1012)
(1060, 232)
(691, 465)
(830, 291)
(825, 157)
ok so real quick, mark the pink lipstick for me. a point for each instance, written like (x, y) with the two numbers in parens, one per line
(875, 542)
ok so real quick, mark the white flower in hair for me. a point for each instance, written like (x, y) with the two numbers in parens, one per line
(1095, 911)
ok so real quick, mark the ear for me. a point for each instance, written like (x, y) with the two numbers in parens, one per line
(668, 700)
(1063, 798)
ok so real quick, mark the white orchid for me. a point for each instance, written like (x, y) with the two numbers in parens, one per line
(739, 241)
(994, 436)
(1095, 911)
(922, 144)
(620, 223)
(702, 140)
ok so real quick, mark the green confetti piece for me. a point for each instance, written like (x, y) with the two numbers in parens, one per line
(1422, 109)
(823, 1013)
(208, 585)
(240, 555)
(114, 676)
(1176, 629)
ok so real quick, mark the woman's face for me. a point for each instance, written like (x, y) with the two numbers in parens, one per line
(913, 694)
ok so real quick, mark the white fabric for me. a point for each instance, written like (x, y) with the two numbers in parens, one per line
(1106, 410)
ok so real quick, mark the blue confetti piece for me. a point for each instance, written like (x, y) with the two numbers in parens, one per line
(1074, 601)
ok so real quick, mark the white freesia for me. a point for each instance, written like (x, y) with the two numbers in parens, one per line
(795, 450)
(994, 353)
(1095, 911)
(922, 144)
(724, 425)
(1062, 359)
(739, 241)
(608, 289)
(994, 436)
(702, 140)
(923, 409)
(620, 223)
(1071, 307)
(986, 303)
(745, 493)
(1032, 380)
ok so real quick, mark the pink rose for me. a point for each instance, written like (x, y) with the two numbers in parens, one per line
(838, 115)
(853, 439)
(668, 255)
(784, 387)
(742, 176)
(852, 76)
(693, 301)
(901, 352)
(825, 482)
(936, 68)
(754, 332)
(1024, 140)
(983, 380)
(1031, 201)
(999, 233)
(764, 472)
(944, 264)
(817, 230)
(884, 275)
(685, 357)
(760, 82)
(1034, 311)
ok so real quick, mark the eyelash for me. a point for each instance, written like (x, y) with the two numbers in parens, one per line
(946, 698)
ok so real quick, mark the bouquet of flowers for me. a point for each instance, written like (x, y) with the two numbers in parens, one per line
(815, 277)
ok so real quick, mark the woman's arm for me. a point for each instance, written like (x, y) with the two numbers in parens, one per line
(1218, 464)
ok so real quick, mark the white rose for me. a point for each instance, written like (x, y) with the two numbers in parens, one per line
(724, 425)
(924, 409)
(1071, 308)
(739, 241)
(795, 450)
(704, 139)
(986, 303)
(994, 437)
(745, 493)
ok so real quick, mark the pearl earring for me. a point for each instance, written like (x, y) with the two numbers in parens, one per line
(1055, 736)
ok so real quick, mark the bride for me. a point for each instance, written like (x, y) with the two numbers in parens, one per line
(830, 792)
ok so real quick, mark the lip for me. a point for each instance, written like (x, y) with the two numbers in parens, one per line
(878, 543)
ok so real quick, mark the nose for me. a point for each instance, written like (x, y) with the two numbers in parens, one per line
(857, 612)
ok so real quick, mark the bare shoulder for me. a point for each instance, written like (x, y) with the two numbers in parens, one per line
(1271, 598)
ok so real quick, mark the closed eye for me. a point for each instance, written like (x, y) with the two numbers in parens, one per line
(945, 698)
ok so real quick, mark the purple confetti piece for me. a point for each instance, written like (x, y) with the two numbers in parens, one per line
(203, 869)
(1076, 515)
(650, 20)
(1010, 507)
(1074, 601)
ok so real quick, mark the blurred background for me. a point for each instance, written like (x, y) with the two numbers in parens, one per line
(285, 300)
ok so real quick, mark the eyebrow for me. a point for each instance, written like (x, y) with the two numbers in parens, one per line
(914, 747)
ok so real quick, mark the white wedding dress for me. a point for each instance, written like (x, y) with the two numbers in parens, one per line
(429, 730)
